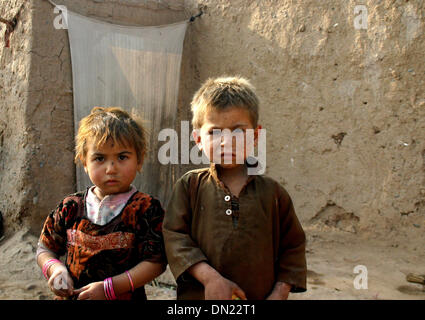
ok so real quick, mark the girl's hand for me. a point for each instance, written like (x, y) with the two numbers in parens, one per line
(92, 291)
(60, 282)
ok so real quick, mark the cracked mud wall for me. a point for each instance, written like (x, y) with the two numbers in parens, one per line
(344, 108)
(14, 136)
(36, 103)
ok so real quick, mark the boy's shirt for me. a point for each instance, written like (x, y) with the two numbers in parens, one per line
(254, 240)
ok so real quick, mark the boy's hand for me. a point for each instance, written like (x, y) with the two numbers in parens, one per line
(280, 291)
(92, 291)
(220, 288)
(60, 282)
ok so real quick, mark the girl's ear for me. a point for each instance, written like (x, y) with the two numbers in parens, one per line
(140, 163)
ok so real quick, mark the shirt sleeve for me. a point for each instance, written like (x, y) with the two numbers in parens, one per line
(53, 234)
(182, 251)
(151, 240)
(292, 266)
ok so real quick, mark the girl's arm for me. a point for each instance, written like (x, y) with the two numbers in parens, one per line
(59, 280)
(141, 274)
(43, 257)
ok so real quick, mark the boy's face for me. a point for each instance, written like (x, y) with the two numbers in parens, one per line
(227, 136)
(111, 167)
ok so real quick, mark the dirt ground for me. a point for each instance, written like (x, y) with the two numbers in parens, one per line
(331, 256)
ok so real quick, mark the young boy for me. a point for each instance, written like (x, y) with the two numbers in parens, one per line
(229, 234)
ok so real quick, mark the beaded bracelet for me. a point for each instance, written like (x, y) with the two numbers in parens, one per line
(47, 265)
(131, 280)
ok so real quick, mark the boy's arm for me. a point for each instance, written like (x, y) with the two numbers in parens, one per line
(182, 251)
(216, 286)
(292, 266)
(184, 254)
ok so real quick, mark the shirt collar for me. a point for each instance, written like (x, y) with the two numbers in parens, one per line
(214, 174)
(112, 198)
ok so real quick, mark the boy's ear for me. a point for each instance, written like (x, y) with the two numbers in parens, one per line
(196, 133)
(83, 163)
(259, 127)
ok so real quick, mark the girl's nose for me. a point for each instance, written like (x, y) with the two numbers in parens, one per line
(110, 167)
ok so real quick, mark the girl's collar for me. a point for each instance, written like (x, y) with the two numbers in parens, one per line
(112, 198)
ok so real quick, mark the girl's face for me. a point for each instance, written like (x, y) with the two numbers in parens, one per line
(111, 167)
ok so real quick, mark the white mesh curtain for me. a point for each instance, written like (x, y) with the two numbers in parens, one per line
(136, 68)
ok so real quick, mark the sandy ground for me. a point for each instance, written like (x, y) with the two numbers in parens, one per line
(331, 255)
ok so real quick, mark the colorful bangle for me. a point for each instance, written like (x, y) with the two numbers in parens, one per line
(131, 280)
(105, 289)
(47, 265)
(109, 289)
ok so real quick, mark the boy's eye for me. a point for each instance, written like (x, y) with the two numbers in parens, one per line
(215, 132)
(122, 157)
(238, 130)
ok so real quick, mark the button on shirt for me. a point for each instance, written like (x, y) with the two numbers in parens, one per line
(254, 240)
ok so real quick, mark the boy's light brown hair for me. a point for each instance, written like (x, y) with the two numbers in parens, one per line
(222, 93)
(110, 123)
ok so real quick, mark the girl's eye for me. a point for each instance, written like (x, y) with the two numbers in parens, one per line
(238, 130)
(98, 159)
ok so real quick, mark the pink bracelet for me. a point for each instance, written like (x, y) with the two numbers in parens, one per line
(109, 289)
(105, 289)
(47, 265)
(131, 280)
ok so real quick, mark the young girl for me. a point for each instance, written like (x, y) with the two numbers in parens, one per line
(110, 233)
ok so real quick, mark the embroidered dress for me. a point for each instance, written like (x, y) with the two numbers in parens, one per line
(94, 251)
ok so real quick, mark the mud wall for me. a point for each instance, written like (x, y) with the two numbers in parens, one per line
(15, 141)
(343, 106)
